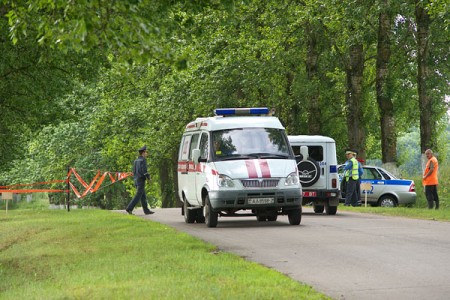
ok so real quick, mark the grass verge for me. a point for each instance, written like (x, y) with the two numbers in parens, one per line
(96, 254)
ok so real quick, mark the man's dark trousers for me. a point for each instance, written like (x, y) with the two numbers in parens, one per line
(432, 196)
(351, 196)
(140, 195)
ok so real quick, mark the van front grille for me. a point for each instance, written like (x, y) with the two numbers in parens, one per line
(260, 183)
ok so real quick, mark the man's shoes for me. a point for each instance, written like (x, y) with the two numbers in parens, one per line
(130, 212)
(149, 212)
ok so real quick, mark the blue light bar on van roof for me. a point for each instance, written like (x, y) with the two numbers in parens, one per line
(241, 111)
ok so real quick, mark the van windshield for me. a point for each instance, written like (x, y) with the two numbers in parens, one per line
(247, 143)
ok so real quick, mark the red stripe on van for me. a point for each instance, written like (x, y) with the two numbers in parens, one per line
(251, 169)
(265, 170)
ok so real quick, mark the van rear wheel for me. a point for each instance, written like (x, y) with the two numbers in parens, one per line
(199, 217)
(210, 216)
(189, 214)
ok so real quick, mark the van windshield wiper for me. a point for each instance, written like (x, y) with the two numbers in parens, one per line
(275, 156)
(254, 156)
(237, 156)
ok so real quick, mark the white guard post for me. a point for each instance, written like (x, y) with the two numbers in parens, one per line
(366, 187)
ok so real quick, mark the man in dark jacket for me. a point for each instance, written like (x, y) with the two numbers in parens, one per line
(140, 174)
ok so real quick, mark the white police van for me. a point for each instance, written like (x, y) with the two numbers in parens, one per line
(238, 163)
(318, 171)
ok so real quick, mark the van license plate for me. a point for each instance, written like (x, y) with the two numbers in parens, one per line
(261, 200)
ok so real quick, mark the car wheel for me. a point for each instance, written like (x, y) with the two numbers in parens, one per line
(318, 209)
(295, 216)
(210, 216)
(387, 201)
(189, 214)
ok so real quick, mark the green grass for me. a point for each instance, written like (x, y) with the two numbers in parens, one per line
(96, 254)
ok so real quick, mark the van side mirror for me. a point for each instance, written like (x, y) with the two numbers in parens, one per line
(196, 155)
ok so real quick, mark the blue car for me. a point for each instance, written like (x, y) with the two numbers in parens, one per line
(382, 188)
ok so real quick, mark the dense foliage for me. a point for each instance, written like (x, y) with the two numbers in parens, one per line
(86, 85)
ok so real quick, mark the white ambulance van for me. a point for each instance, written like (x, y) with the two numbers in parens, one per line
(318, 172)
(238, 163)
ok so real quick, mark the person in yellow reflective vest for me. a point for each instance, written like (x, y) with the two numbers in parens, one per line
(351, 177)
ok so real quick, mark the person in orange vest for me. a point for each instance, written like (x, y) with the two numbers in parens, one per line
(430, 179)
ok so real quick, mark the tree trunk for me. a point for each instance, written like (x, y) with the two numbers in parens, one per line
(354, 100)
(427, 122)
(383, 88)
(314, 121)
(166, 187)
(177, 200)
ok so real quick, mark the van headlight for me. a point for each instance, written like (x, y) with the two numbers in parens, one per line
(225, 181)
(292, 179)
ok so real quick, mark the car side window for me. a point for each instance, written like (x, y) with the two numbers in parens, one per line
(367, 174)
(386, 176)
(371, 174)
(377, 175)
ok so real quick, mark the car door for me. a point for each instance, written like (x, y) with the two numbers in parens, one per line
(374, 177)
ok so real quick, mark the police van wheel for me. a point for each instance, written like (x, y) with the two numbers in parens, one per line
(210, 216)
(318, 209)
(295, 216)
(189, 214)
(330, 210)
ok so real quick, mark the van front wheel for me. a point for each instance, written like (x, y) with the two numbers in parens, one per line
(295, 216)
(210, 216)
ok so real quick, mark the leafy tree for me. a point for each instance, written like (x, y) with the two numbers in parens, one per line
(432, 85)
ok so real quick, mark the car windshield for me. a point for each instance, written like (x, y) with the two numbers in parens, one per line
(247, 143)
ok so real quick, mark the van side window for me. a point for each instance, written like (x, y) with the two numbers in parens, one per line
(204, 146)
(184, 148)
(194, 143)
(314, 152)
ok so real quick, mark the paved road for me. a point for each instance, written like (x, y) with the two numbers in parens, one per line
(346, 256)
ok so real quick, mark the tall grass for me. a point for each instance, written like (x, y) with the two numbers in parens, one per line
(97, 254)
